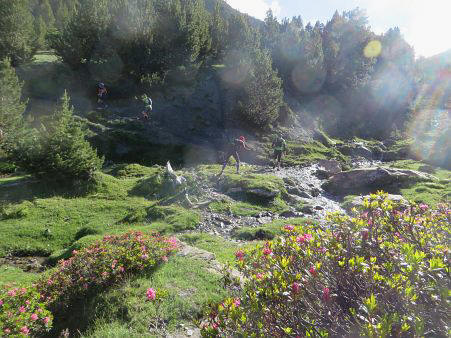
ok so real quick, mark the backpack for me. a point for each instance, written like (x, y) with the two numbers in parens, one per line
(279, 144)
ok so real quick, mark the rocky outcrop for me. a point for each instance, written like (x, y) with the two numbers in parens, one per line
(358, 201)
(327, 168)
(370, 179)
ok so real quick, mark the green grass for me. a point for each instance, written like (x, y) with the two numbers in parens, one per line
(266, 231)
(12, 276)
(302, 153)
(430, 193)
(223, 249)
(125, 312)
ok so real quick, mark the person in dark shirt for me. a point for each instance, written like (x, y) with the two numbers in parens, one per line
(233, 150)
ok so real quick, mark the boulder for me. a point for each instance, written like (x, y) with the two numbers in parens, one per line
(331, 167)
(298, 192)
(264, 194)
(358, 201)
(356, 149)
(370, 179)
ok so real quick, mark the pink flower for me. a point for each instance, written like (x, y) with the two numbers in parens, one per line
(267, 251)
(296, 287)
(12, 293)
(46, 320)
(34, 316)
(308, 237)
(7, 331)
(27, 302)
(326, 294)
(23, 291)
(423, 207)
(1, 302)
(164, 258)
(313, 271)
(113, 266)
(300, 239)
(214, 326)
(49, 282)
(239, 255)
(24, 330)
(151, 294)
(22, 309)
(40, 310)
(105, 274)
(289, 227)
(74, 252)
(237, 302)
(259, 276)
(145, 256)
(121, 269)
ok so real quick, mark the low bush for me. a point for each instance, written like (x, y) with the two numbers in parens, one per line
(103, 264)
(22, 313)
(382, 273)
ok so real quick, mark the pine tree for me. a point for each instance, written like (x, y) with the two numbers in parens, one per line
(59, 149)
(16, 31)
(259, 94)
(11, 106)
(218, 30)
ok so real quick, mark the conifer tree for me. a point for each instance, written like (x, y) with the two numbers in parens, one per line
(16, 31)
(11, 106)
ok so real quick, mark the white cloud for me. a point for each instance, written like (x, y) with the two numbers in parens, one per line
(256, 8)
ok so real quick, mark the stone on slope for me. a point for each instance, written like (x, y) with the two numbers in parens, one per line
(367, 179)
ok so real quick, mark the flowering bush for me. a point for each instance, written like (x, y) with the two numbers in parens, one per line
(384, 272)
(23, 313)
(103, 264)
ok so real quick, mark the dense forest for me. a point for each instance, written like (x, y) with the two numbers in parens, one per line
(370, 81)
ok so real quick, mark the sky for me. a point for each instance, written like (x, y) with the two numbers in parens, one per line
(425, 24)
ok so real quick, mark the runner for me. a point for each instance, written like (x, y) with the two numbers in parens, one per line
(233, 150)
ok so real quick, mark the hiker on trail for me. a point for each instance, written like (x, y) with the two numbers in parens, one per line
(101, 94)
(147, 101)
(279, 145)
(232, 150)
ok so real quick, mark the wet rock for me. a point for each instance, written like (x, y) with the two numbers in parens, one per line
(298, 192)
(308, 209)
(288, 214)
(263, 193)
(315, 192)
(289, 181)
(322, 174)
(368, 179)
(319, 207)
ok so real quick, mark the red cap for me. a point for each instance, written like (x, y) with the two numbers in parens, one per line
(242, 139)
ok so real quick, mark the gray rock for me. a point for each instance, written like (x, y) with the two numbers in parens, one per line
(263, 193)
(331, 167)
(298, 192)
(358, 201)
(308, 209)
(319, 207)
(370, 179)
(315, 192)
(288, 213)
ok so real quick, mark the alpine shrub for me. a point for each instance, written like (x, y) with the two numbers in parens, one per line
(382, 273)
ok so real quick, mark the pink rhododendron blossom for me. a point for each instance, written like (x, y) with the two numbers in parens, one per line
(46, 320)
(27, 302)
(312, 271)
(326, 294)
(121, 269)
(34, 316)
(74, 252)
(12, 293)
(164, 258)
(296, 287)
(1, 302)
(308, 237)
(300, 239)
(22, 309)
(259, 275)
(23, 291)
(7, 331)
(24, 330)
(237, 302)
(289, 227)
(267, 251)
(151, 294)
(423, 207)
(49, 282)
(239, 254)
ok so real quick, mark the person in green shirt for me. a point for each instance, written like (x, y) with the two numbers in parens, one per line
(279, 145)
(147, 109)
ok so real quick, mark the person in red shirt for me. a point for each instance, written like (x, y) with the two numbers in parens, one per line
(233, 150)
(101, 93)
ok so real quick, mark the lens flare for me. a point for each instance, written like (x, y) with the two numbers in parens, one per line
(372, 49)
